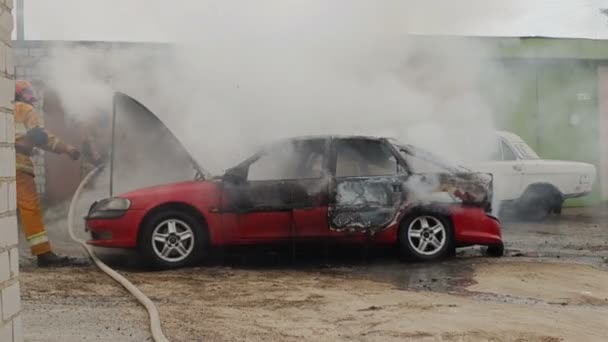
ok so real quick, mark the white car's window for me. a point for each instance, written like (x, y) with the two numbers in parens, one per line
(525, 151)
(507, 152)
(497, 151)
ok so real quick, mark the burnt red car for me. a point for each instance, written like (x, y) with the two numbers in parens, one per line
(357, 190)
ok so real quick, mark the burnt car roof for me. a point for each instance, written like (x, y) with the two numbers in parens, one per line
(327, 136)
(336, 136)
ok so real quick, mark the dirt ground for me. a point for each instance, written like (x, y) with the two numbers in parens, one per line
(552, 286)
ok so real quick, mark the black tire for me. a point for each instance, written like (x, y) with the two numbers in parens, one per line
(538, 202)
(410, 246)
(151, 251)
(538, 212)
(496, 250)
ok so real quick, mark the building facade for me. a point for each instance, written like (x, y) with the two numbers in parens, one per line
(10, 305)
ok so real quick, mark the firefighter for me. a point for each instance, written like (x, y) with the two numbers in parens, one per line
(30, 134)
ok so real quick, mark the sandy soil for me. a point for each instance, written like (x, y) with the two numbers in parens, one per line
(551, 288)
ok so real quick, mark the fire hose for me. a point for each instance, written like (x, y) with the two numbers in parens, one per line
(155, 325)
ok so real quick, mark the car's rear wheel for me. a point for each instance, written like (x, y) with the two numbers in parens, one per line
(426, 236)
(172, 239)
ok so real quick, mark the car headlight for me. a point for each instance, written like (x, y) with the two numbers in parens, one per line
(109, 208)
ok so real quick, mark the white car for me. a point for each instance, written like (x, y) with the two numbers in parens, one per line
(532, 186)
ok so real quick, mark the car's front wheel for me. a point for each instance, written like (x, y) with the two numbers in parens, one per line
(426, 236)
(172, 239)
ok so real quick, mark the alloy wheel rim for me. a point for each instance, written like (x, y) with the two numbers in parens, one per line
(427, 235)
(173, 240)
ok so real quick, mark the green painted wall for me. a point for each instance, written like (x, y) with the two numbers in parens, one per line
(543, 89)
(568, 115)
(553, 105)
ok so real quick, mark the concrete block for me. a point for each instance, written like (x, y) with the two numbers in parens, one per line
(10, 128)
(4, 197)
(17, 332)
(6, 332)
(14, 261)
(11, 301)
(20, 52)
(7, 92)
(6, 25)
(9, 61)
(9, 234)
(7, 164)
(3, 130)
(12, 196)
(5, 267)
(4, 155)
(3, 49)
(36, 52)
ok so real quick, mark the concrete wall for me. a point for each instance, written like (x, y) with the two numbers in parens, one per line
(553, 105)
(551, 82)
(10, 305)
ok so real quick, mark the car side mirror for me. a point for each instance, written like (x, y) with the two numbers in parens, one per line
(234, 176)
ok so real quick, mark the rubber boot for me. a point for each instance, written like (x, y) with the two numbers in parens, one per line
(50, 259)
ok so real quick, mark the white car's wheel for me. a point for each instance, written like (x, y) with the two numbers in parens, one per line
(426, 236)
(538, 201)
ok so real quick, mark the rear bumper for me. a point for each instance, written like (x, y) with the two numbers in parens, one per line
(473, 226)
(115, 232)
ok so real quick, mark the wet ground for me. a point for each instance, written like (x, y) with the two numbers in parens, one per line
(551, 286)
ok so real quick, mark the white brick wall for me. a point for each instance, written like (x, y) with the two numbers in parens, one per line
(10, 302)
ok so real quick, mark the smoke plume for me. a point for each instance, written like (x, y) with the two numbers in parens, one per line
(238, 74)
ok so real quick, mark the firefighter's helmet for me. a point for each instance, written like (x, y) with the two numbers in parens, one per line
(24, 92)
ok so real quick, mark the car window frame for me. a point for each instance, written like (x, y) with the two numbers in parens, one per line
(268, 149)
(402, 168)
(506, 144)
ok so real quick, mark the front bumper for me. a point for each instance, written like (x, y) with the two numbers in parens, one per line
(120, 232)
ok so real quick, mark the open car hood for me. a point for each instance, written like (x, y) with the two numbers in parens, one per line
(144, 152)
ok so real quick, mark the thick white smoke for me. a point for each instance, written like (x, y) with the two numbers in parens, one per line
(241, 73)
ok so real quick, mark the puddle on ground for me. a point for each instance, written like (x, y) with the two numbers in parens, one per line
(447, 276)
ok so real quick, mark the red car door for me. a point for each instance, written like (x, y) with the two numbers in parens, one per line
(310, 191)
(282, 193)
(257, 211)
(367, 190)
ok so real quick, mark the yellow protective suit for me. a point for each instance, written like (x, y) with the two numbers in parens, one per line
(27, 194)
